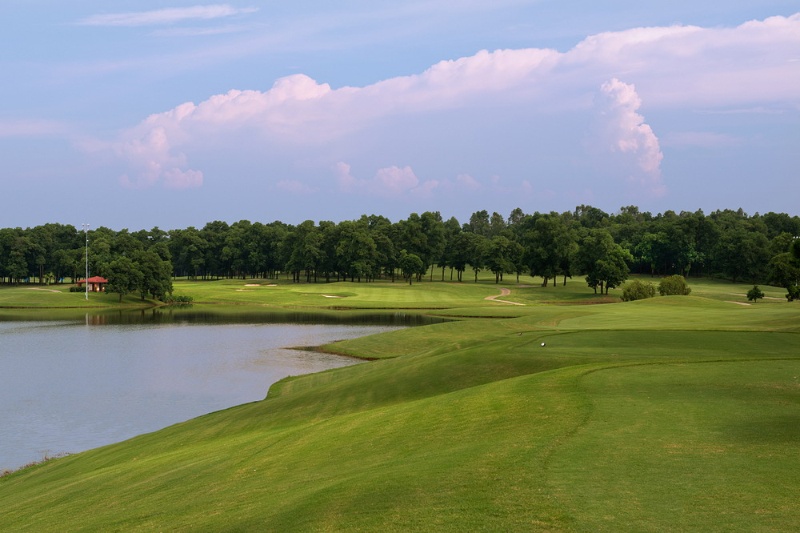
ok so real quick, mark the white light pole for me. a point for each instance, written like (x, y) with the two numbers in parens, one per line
(86, 279)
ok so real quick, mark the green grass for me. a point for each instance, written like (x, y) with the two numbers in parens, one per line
(378, 295)
(34, 296)
(675, 413)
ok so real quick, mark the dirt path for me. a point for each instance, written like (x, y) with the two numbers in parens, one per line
(503, 292)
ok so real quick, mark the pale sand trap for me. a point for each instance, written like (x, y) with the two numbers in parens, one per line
(272, 285)
(331, 296)
(45, 290)
(737, 303)
(252, 285)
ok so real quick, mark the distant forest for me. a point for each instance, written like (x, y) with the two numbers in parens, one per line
(588, 242)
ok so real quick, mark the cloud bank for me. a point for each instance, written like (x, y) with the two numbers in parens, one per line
(627, 74)
(165, 16)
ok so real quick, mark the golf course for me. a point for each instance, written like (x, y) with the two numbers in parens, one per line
(530, 408)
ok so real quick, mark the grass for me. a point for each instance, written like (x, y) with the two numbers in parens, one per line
(31, 296)
(675, 413)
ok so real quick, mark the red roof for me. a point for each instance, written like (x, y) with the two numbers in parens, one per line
(94, 279)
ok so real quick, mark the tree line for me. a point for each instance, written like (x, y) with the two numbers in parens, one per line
(587, 241)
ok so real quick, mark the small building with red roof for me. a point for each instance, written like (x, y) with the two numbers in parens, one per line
(96, 283)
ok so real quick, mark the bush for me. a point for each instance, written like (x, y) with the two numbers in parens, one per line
(794, 292)
(754, 294)
(178, 300)
(673, 285)
(637, 290)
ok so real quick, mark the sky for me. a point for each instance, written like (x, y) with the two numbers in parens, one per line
(174, 114)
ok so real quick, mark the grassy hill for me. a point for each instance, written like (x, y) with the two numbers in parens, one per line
(675, 413)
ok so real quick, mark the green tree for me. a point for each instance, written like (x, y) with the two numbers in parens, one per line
(742, 250)
(497, 225)
(784, 270)
(411, 266)
(156, 278)
(214, 234)
(452, 228)
(479, 223)
(17, 265)
(434, 230)
(551, 246)
(500, 256)
(461, 252)
(381, 230)
(591, 217)
(305, 242)
(604, 262)
(793, 293)
(754, 294)
(187, 247)
(123, 276)
(478, 253)
(356, 251)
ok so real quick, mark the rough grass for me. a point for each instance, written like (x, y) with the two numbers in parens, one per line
(667, 414)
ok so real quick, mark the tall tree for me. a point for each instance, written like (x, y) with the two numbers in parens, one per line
(551, 245)
(411, 266)
(214, 234)
(604, 262)
(500, 256)
(432, 226)
(479, 223)
(123, 276)
(452, 228)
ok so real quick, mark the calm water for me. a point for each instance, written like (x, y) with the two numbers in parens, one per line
(68, 387)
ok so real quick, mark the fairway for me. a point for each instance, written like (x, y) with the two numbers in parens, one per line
(675, 413)
(713, 446)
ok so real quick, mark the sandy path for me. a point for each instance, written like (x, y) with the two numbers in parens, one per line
(503, 292)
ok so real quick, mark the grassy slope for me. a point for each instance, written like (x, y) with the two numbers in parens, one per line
(674, 413)
(58, 296)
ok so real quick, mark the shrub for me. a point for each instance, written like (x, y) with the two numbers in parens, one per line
(673, 285)
(794, 292)
(178, 300)
(637, 290)
(754, 294)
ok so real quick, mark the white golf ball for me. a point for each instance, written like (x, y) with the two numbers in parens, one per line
(542, 344)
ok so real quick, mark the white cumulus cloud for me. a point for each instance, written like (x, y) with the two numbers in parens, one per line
(154, 162)
(389, 182)
(683, 67)
(627, 133)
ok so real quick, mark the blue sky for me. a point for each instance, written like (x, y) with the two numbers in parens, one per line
(141, 114)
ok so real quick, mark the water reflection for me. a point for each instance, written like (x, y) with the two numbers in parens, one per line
(68, 387)
(221, 315)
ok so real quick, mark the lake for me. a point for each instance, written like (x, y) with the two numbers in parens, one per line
(69, 386)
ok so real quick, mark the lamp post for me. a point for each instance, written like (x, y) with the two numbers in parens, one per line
(86, 279)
